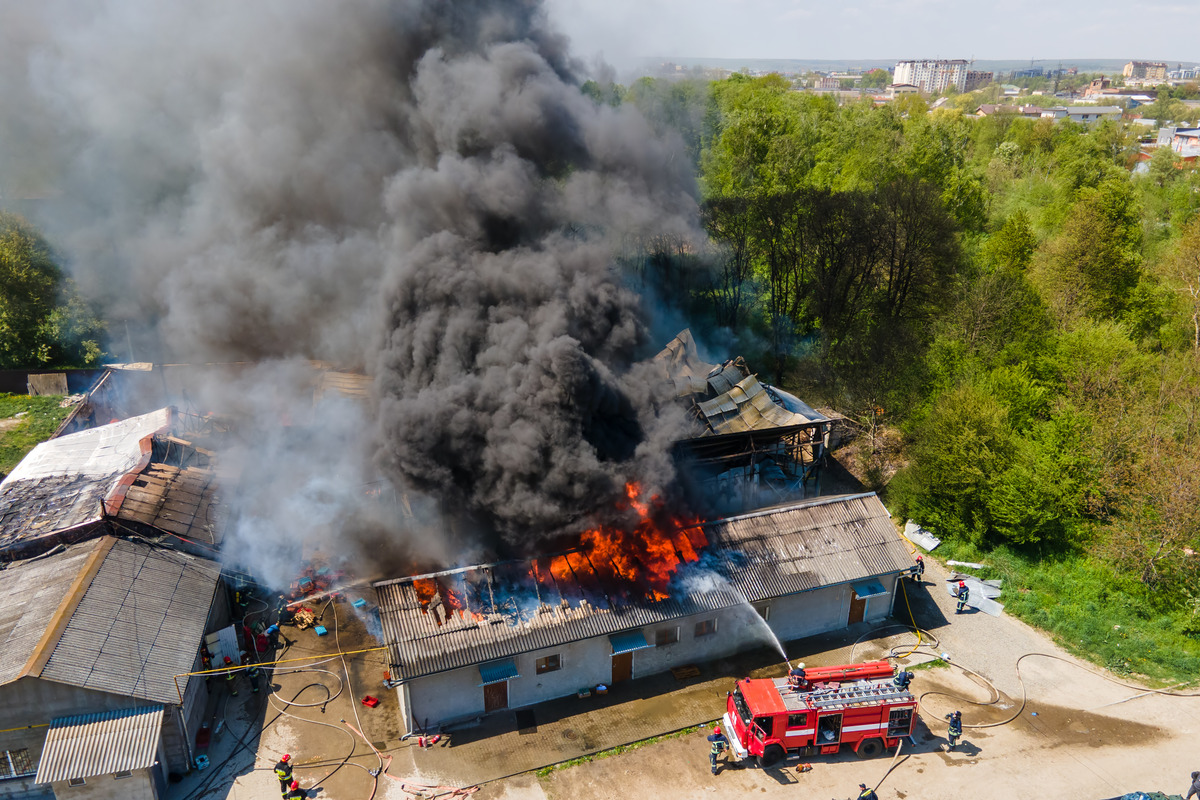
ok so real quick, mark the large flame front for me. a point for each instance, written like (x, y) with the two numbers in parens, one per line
(624, 565)
(642, 559)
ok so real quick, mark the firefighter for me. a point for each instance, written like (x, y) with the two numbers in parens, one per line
(229, 677)
(294, 791)
(253, 673)
(717, 744)
(964, 594)
(902, 679)
(797, 679)
(1195, 790)
(206, 663)
(919, 571)
(284, 613)
(955, 729)
(283, 771)
(866, 794)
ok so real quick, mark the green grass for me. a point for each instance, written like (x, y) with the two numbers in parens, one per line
(615, 751)
(42, 417)
(937, 663)
(1092, 612)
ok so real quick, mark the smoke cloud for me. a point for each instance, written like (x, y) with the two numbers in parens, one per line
(415, 188)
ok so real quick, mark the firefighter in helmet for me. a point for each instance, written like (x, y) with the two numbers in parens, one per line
(283, 771)
(919, 571)
(902, 679)
(955, 729)
(717, 744)
(964, 594)
(229, 677)
(865, 793)
(294, 792)
(797, 679)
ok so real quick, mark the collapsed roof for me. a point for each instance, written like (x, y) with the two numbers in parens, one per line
(727, 398)
(77, 486)
(496, 611)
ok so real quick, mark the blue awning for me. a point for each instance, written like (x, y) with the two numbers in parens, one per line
(498, 671)
(868, 589)
(628, 641)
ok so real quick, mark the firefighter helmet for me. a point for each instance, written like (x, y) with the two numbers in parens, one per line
(716, 728)
(228, 660)
(286, 758)
(295, 785)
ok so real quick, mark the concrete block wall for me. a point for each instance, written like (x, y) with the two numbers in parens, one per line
(138, 786)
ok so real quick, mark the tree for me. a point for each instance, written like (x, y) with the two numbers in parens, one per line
(876, 79)
(43, 322)
(1184, 271)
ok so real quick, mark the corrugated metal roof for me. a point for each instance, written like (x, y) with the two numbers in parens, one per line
(627, 642)
(137, 625)
(100, 744)
(61, 485)
(506, 609)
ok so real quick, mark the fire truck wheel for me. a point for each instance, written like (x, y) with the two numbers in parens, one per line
(771, 756)
(869, 748)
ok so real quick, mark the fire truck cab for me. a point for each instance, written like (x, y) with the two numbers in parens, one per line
(858, 704)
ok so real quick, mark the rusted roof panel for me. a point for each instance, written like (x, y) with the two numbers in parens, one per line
(100, 744)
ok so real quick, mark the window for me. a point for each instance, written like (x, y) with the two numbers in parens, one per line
(764, 612)
(797, 720)
(549, 664)
(76, 782)
(125, 773)
(705, 627)
(664, 636)
(16, 763)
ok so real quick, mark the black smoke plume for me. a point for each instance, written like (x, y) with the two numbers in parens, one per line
(413, 187)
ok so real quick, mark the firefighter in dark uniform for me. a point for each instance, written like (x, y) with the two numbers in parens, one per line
(1195, 790)
(253, 673)
(955, 729)
(294, 792)
(229, 677)
(717, 744)
(902, 679)
(866, 794)
(797, 678)
(919, 571)
(206, 663)
(964, 594)
(283, 771)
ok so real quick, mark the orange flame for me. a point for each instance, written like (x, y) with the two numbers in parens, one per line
(648, 555)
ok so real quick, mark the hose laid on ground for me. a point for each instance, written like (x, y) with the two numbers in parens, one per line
(892, 766)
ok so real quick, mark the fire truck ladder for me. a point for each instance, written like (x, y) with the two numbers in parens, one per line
(849, 695)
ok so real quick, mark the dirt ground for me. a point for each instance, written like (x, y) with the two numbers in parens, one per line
(1078, 735)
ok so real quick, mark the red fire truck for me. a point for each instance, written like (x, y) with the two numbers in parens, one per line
(858, 704)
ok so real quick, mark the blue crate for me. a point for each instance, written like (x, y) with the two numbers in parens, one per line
(321, 630)
(359, 603)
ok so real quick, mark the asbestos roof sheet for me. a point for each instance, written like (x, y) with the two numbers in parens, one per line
(112, 615)
(62, 484)
(501, 610)
(100, 744)
(31, 592)
(180, 500)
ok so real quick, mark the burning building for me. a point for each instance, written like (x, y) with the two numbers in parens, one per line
(474, 640)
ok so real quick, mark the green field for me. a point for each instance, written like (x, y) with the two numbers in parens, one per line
(42, 416)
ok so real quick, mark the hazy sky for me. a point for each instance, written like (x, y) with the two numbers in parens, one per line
(858, 29)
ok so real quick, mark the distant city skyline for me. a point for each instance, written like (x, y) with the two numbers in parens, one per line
(625, 32)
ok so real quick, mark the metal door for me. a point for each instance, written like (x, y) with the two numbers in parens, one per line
(858, 608)
(622, 667)
(495, 697)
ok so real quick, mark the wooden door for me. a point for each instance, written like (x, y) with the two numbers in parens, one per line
(622, 667)
(858, 608)
(495, 697)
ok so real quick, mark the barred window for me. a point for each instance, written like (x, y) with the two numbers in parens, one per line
(16, 763)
